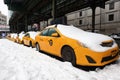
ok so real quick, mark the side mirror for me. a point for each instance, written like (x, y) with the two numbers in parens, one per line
(55, 35)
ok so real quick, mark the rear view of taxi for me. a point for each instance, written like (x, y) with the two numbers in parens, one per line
(77, 46)
(29, 38)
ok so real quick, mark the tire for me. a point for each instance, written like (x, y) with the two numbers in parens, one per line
(30, 44)
(15, 41)
(23, 42)
(68, 54)
(37, 47)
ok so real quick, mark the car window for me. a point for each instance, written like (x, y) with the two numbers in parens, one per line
(51, 31)
(27, 35)
(44, 32)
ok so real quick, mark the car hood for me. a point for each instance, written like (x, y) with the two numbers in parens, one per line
(91, 40)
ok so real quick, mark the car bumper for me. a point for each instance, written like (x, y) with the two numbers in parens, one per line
(87, 57)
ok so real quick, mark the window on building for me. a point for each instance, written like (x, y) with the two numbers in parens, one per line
(80, 13)
(111, 5)
(111, 17)
(80, 22)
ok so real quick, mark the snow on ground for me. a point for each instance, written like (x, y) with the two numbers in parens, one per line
(18, 62)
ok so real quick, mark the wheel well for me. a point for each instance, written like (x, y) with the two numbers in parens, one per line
(73, 58)
(22, 41)
(36, 42)
(65, 46)
(30, 41)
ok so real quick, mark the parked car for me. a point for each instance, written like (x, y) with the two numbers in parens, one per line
(29, 38)
(13, 37)
(115, 35)
(8, 36)
(77, 46)
(20, 36)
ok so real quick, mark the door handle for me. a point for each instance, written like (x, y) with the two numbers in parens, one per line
(50, 42)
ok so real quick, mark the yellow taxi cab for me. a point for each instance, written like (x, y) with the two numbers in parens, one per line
(29, 38)
(19, 38)
(13, 37)
(8, 36)
(77, 46)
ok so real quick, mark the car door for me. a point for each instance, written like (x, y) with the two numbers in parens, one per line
(43, 40)
(54, 43)
(26, 39)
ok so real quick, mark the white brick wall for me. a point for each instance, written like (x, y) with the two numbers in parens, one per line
(101, 14)
(3, 19)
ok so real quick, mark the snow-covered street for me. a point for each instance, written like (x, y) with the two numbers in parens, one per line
(18, 62)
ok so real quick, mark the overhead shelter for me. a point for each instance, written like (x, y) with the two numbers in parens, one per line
(27, 12)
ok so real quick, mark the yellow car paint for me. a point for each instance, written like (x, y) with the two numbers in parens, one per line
(54, 45)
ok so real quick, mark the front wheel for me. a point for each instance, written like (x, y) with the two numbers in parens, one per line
(37, 47)
(68, 54)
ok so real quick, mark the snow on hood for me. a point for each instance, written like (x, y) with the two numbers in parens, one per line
(91, 40)
(33, 34)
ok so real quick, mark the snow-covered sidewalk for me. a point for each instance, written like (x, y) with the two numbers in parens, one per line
(18, 62)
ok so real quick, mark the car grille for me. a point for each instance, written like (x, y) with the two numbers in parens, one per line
(109, 58)
(107, 44)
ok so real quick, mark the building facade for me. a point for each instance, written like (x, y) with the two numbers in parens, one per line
(3, 19)
(4, 29)
(107, 20)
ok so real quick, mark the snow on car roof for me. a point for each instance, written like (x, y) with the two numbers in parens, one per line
(91, 40)
(33, 34)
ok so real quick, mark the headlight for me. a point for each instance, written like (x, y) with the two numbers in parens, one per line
(82, 44)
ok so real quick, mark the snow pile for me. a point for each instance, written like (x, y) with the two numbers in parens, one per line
(18, 62)
(33, 34)
(91, 40)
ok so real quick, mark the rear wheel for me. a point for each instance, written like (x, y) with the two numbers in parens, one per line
(68, 55)
(30, 44)
(23, 43)
(37, 47)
